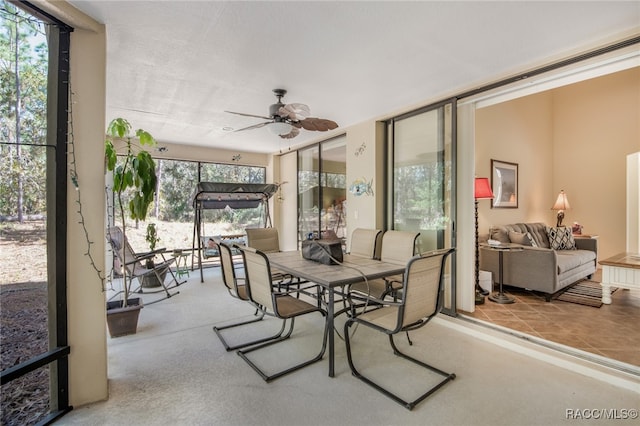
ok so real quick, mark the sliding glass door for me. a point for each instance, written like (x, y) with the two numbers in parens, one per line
(322, 191)
(421, 179)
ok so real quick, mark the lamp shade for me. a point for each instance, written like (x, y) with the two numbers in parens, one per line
(562, 203)
(482, 189)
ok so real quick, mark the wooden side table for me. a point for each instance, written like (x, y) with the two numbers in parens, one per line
(621, 270)
(592, 236)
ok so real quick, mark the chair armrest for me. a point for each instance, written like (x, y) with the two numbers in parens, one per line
(153, 252)
(142, 256)
(394, 279)
(368, 298)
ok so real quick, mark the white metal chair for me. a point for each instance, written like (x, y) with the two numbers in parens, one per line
(421, 299)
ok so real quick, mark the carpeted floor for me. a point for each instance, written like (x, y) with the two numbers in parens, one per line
(587, 292)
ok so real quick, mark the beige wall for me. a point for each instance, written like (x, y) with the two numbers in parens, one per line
(209, 154)
(518, 132)
(86, 301)
(575, 138)
(365, 211)
(286, 205)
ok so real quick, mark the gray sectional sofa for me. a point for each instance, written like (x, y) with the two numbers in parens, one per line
(540, 268)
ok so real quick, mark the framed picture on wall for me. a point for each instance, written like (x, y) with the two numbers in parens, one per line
(504, 184)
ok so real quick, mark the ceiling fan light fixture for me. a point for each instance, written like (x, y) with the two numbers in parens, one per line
(286, 120)
(280, 128)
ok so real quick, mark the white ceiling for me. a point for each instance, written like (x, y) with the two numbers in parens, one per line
(174, 67)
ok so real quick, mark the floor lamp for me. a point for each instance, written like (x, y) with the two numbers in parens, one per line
(482, 191)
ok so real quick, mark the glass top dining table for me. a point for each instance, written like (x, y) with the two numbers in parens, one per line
(352, 270)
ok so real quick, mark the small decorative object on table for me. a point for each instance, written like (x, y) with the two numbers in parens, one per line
(576, 229)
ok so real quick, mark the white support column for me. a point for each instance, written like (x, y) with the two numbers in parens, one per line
(633, 203)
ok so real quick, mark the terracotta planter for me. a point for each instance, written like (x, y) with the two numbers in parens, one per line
(123, 321)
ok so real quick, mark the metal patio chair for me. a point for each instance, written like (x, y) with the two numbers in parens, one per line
(236, 286)
(397, 247)
(421, 299)
(279, 304)
(136, 265)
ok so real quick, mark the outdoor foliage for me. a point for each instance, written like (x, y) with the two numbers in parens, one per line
(23, 94)
(177, 185)
(418, 191)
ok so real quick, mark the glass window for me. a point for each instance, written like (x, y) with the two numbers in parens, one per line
(172, 210)
(322, 189)
(421, 178)
(308, 191)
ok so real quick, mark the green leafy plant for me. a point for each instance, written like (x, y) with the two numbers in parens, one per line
(136, 171)
(152, 236)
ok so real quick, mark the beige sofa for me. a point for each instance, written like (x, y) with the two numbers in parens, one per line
(540, 268)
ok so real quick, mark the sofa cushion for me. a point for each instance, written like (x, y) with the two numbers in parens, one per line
(522, 238)
(499, 233)
(570, 259)
(539, 233)
(561, 238)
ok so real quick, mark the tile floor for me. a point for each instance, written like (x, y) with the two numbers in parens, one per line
(610, 331)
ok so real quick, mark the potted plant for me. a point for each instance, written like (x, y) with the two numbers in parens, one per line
(152, 238)
(135, 172)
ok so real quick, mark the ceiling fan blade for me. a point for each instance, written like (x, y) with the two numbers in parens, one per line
(292, 134)
(297, 112)
(255, 126)
(249, 115)
(318, 124)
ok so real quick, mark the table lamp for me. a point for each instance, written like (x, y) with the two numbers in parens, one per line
(482, 191)
(562, 204)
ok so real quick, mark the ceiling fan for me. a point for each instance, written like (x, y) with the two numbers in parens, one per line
(286, 120)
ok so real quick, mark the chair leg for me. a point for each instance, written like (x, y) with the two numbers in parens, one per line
(164, 288)
(218, 330)
(407, 404)
(175, 276)
(268, 378)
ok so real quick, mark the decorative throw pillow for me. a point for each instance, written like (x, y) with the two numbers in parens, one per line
(561, 238)
(521, 238)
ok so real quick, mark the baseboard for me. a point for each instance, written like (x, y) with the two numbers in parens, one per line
(610, 371)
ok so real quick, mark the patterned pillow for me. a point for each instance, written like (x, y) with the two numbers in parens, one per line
(561, 238)
(523, 238)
